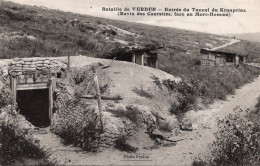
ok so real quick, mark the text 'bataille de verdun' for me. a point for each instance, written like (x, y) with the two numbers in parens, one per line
(171, 11)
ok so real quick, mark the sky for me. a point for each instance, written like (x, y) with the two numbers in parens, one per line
(247, 22)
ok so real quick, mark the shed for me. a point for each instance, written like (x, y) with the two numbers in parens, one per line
(142, 55)
(229, 55)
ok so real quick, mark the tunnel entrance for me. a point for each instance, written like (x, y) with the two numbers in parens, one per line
(34, 105)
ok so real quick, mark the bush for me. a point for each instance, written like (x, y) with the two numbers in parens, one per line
(132, 113)
(98, 22)
(78, 75)
(170, 85)
(15, 141)
(157, 82)
(143, 93)
(199, 162)
(85, 136)
(82, 81)
(5, 97)
(75, 122)
(237, 142)
(166, 126)
(78, 129)
(122, 145)
(186, 100)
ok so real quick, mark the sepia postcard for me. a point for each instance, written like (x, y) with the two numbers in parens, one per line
(130, 82)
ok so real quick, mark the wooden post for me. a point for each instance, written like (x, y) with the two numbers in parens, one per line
(133, 58)
(142, 59)
(68, 64)
(14, 88)
(208, 59)
(98, 100)
(51, 85)
(156, 62)
(244, 59)
(237, 60)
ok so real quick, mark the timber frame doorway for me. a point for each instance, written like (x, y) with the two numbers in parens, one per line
(49, 85)
(31, 77)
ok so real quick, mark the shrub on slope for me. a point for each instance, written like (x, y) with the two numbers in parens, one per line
(208, 81)
(237, 142)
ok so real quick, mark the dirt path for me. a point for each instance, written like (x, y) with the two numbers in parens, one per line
(225, 45)
(194, 143)
(205, 124)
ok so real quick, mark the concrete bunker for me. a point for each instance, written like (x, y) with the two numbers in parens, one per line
(33, 81)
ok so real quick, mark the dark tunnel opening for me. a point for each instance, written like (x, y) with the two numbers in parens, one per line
(34, 105)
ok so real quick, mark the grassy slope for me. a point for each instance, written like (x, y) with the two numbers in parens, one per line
(55, 37)
(52, 30)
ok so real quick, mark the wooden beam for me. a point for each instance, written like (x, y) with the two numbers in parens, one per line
(118, 97)
(98, 100)
(32, 86)
(51, 82)
(14, 88)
